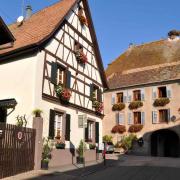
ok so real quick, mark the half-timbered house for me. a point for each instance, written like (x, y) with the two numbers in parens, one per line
(51, 61)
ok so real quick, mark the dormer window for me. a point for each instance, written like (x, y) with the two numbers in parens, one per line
(6, 37)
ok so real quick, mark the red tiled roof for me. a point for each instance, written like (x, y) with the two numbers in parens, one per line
(154, 75)
(154, 53)
(39, 27)
(148, 63)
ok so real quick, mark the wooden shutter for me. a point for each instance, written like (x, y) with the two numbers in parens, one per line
(121, 118)
(97, 132)
(130, 118)
(154, 93)
(51, 124)
(99, 95)
(68, 127)
(142, 118)
(91, 90)
(113, 98)
(86, 133)
(142, 94)
(54, 69)
(169, 92)
(154, 117)
(68, 79)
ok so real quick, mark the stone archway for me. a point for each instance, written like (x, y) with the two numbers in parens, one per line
(165, 143)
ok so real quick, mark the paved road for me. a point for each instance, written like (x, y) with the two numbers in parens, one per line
(124, 168)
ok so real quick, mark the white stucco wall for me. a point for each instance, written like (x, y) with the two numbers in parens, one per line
(17, 80)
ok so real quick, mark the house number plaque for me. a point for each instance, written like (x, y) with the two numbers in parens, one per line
(20, 135)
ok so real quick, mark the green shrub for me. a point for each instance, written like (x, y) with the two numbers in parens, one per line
(81, 148)
(135, 105)
(107, 138)
(127, 141)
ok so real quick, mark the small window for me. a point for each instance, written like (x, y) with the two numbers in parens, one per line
(119, 97)
(137, 95)
(78, 46)
(137, 117)
(162, 92)
(163, 115)
(61, 75)
(80, 11)
(89, 131)
(95, 92)
(58, 126)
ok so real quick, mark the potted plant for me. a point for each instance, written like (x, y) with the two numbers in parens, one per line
(161, 102)
(37, 112)
(107, 138)
(81, 149)
(46, 155)
(81, 57)
(135, 105)
(118, 107)
(92, 146)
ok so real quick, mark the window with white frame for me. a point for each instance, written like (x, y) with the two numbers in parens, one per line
(58, 125)
(90, 131)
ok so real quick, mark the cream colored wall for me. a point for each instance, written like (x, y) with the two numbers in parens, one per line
(109, 120)
(17, 80)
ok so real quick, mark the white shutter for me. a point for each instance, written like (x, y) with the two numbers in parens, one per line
(117, 118)
(154, 117)
(129, 95)
(142, 94)
(113, 98)
(154, 92)
(169, 91)
(130, 118)
(142, 118)
(125, 95)
(121, 118)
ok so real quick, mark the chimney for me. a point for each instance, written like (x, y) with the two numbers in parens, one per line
(173, 34)
(28, 12)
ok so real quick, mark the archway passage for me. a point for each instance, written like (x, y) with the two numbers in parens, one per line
(165, 143)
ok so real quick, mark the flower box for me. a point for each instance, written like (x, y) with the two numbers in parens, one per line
(82, 19)
(98, 106)
(118, 129)
(63, 93)
(161, 102)
(118, 107)
(60, 146)
(135, 105)
(81, 57)
(135, 128)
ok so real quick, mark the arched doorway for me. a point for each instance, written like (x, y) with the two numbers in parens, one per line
(165, 143)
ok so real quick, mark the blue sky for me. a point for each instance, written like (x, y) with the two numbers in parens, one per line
(117, 22)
